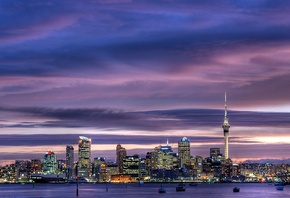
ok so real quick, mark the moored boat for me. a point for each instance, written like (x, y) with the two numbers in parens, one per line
(236, 189)
(48, 178)
(180, 188)
(279, 187)
(162, 190)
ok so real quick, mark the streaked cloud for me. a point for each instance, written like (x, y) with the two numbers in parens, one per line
(145, 67)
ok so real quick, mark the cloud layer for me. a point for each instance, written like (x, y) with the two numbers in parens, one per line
(142, 65)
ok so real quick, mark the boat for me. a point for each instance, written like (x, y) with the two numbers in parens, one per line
(236, 189)
(180, 188)
(48, 178)
(279, 187)
(181, 184)
(162, 190)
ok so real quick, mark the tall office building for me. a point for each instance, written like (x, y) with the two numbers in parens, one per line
(84, 163)
(69, 160)
(99, 164)
(131, 166)
(184, 152)
(121, 153)
(50, 163)
(214, 152)
(226, 126)
(162, 157)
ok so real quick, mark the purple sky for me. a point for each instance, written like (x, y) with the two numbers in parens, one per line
(137, 72)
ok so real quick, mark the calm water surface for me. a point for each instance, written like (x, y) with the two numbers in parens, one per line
(143, 191)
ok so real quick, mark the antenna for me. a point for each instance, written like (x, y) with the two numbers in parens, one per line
(225, 104)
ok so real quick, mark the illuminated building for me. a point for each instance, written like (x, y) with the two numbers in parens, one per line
(121, 153)
(111, 169)
(99, 167)
(121, 178)
(84, 154)
(131, 166)
(69, 160)
(50, 163)
(184, 152)
(162, 158)
(143, 170)
(226, 169)
(226, 127)
(197, 163)
(22, 168)
(61, 166)
(214, 153)
(35, 166)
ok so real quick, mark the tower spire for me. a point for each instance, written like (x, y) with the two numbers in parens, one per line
(225, 104)
(226, 126)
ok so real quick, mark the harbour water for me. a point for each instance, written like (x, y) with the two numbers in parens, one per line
(247, 190)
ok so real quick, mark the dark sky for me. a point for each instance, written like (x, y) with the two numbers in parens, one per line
(137, 72)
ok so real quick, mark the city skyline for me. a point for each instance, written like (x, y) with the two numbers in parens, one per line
(137, 73)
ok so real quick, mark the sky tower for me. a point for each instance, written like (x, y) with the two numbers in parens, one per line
(226, 126)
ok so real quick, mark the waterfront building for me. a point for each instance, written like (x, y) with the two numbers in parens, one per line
(162, 158)
(184, 152)
(164, 163)
(23, 170)
(121, 153)
(70, 161)
(61, 166)
(235, 170)
(143, 170)
(111, 169)
(8, 173)
(226, 126)
(99, 167)
(196, 163)
(84, 155)
(226, 170)
(148, 162)
(36, 166)
(131, 166)
(50, 163)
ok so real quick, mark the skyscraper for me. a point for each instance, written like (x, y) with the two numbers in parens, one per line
(49, 163)
(214, 153)
(162, 157)
(84, 162)
(226, 126)
(184, 152)
(69, 160)
(99, 162)
(121, 153)
(131, 166)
